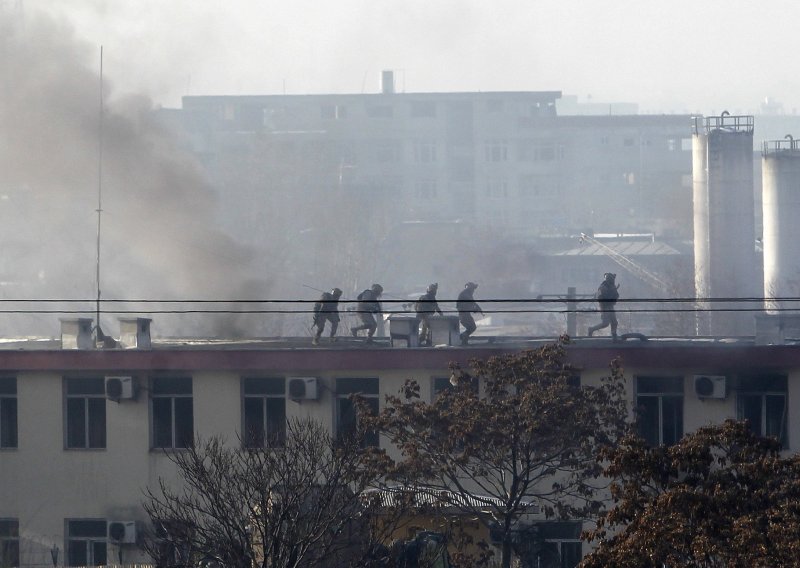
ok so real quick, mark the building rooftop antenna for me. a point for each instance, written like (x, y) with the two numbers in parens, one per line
(100, 334)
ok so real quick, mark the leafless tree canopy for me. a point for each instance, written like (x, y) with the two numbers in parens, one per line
(300, 505)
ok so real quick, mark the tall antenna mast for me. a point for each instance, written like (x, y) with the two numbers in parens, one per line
(99, 188)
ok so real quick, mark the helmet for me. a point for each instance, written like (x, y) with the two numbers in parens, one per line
(609, 276)
(377, 288)
(471, 285)
(336, 293)
(433, 287)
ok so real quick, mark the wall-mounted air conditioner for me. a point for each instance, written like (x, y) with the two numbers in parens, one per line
(121, 532)
(120, 388)
(303, 388)
(710, 386)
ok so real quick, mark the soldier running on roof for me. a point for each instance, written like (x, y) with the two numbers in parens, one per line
(368, 308)
(607, 296)
(466, 307)
(327, 309)
(425, 307)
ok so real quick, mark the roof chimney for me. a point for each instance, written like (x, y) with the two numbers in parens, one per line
(134, 333)
(76, 333)
(387, 82)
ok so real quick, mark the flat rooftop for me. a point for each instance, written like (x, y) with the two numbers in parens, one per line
(296, 354)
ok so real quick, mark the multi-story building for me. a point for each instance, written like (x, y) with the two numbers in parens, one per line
(83, 430)
(331, 181)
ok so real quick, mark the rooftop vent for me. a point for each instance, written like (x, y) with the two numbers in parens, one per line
(134, 333)
(76, 333)
(387, 82)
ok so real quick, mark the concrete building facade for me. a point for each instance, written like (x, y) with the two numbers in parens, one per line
(84, 431)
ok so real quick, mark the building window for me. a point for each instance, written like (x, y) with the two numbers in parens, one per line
(556, 544)
(438, 386)
(539, 150)
(761, 400)
(170, 543)
(86, 543)
(345, 409)
(496, 151)
(86, 413)
(424, 152)
(264, 412)
(8, 412)
(172, 412)
(9, 542)
(660, 404)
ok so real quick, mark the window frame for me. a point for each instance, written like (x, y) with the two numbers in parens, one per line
(9, 413)
(660, 394)
(89, 542)
(89, 410)
(266, 439)
(173, 397)
(342, 394)
(752, 386)
(496, 150)
(425, 151)
(9, 541)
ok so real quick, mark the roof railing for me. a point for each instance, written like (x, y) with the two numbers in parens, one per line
(725, 121)
(788, 144)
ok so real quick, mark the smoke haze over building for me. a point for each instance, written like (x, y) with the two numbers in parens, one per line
(158, 239)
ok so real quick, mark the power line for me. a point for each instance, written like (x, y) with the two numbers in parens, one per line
(407, 301)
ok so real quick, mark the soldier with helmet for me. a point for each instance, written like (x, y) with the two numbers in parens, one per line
(425, 307)
(369, 307)
(607, 296)
(466, 306)
(327, 309)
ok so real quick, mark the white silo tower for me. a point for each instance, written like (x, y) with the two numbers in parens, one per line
(780, 162)
(724, 223)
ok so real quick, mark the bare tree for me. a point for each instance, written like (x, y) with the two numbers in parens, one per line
(517, 436)
(300, 505)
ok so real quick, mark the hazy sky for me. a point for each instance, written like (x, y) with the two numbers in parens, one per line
(676, 55)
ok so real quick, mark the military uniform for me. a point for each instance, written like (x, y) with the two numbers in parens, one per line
(425, 307)
(466, 306)
(327, 309)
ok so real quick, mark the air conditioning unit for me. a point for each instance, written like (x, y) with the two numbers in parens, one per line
(121, 532)
(710, 386)
(120, 388)
(303, 388)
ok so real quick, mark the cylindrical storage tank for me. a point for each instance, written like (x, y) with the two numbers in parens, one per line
(724, 223)
(780, 163)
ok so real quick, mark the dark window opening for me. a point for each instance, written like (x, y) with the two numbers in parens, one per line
(172, 412)
(8, 412)
(660, 405)
(86, 543)
(86, 413)
(264, 412)
(346, 419)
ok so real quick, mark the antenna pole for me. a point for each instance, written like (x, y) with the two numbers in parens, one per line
(99, 182)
